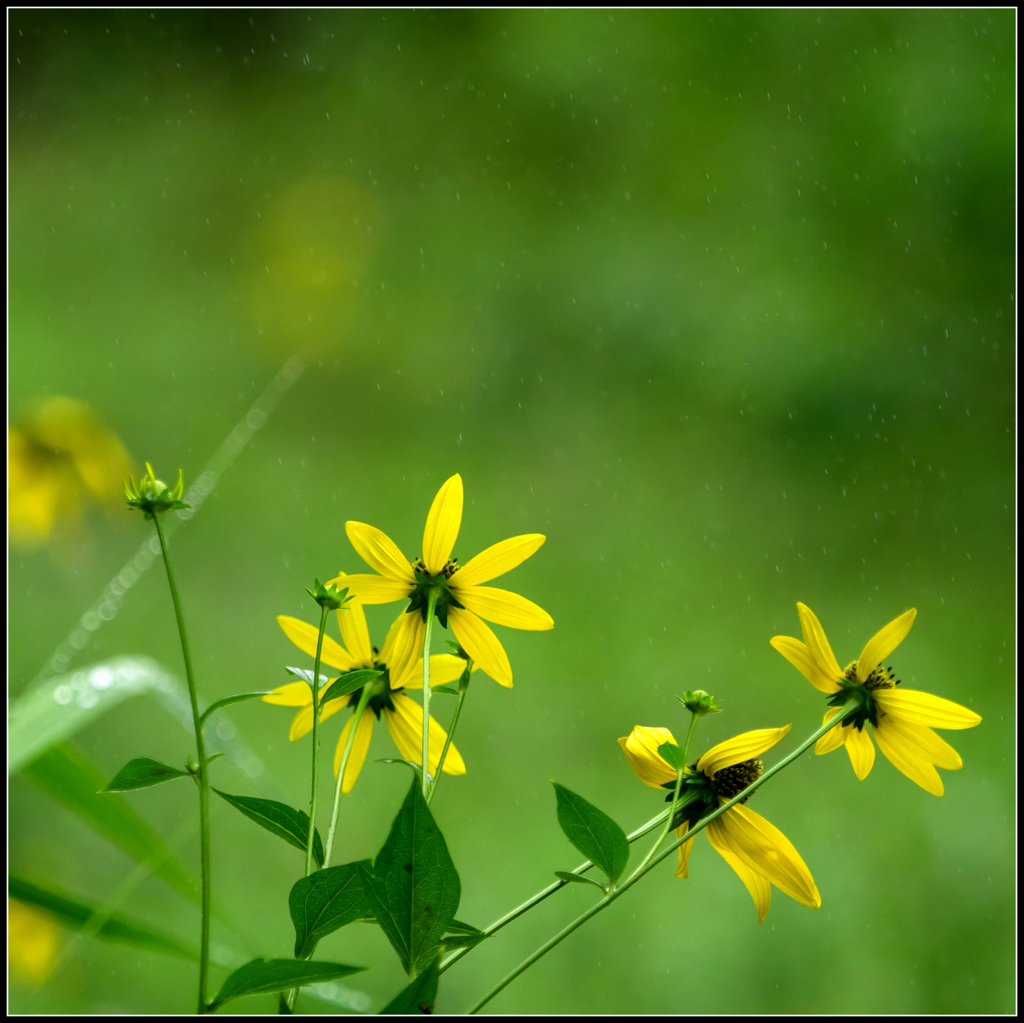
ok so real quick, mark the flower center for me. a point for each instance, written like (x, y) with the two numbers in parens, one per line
(433, 586)
(850, 685)
(381, 693)
(705, 793)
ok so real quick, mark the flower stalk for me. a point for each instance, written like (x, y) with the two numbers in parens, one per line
(364, 699)
(426, 696)
(324, 607)
(463, 689)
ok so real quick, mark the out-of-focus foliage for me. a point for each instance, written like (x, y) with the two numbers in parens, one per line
(723, 303)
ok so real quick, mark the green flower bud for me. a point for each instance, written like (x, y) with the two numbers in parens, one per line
(151, 495)
(699, 702)
(329, 596)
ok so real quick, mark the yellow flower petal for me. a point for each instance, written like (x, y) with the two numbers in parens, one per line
(380, 552)
(861, 751)
(766, 850)
(683, 863)
(925, 709)
(803, 660)
(352, 623)
(755, 882)
(641, 749)
(404, 643)
(814, 637)
(294, 694)
(921, 741)
(505, 608)
(405, 723)
(302, 723)
(902, 757)
(741, 747)
(33, 942)
(304, 636)
(442, 528)
(444, 668)
(831, 740)
(375, 589)
(481, 644)
(497, 560)
(359, 748)
(883, 642)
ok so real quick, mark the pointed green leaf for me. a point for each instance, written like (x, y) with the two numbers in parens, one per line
(142, 772)
(325, 901)
(463, 940)
(349, 683)
(672, 755)
(457, 927)
(279, 819)
(593, 832)
(568, 875)
(264, 976)
(227, 701)
(444, 689)
(413, 887)
(418, 997)
(306, 675)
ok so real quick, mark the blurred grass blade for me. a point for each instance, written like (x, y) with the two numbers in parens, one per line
(418, 997)
(76, 915)
(142, 772)
(64, 774)
(55, 710)
(279, 819)
(325, 901)
(265, 976)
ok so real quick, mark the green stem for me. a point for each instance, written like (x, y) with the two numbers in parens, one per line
(204, 781)
(646, 868)
(364, 699)
(425, 763)
(463, 689)
(316, 740)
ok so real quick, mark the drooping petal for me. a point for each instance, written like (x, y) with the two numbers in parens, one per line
(831, 740)
(402, 646)
(302, 723)
(359, 749)
(803, 660)
(756, 883)
(924, 743)
(294, 694)
(497, 560)
(481, 644)
(861, 751)
(683, 863)
(444, 668)
(641, 749)
(925, 709)
(442, 528)
(883, 642)
(903, 757)
(814, 637)
(741, 747)
(352, 623)
(766, 850)
(304, 636)
(405, 723)
(505, 608)
(380, 552)
(375, 589)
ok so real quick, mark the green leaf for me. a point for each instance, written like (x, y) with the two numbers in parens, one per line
(216, 756)
(227, 701)
(263, 976)
(306, 675)
(142, 772)
(463, 940)
(76, 915)
(63, 773)
(279, 819)
(398, 760)
(672, 755)
(457, 927)
(593, 832)
(413, 887)
(418, 997)
(349, 683)
(325, 901)
(567, 875)
(444, 689)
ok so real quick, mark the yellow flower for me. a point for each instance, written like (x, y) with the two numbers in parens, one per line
(902, 719)
(61, 455)
(33, 942)
(404, 717)
(460, 597)
(760, 854)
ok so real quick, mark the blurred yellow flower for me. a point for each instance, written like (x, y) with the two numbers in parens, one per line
(62, 454)
(760, 854)
(460, 597)
(404, 717)
(902, 719)
(33, 940)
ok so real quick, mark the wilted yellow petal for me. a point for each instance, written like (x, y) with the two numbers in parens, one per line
(801, 658)
(304, 636)
(641, 749)
(861, 751)
(814, 637)
(442, 528)
(405, 723)
(505, 608)
(883, 642)
(375, 589)
(497, 560)
(294, 694)
(925, 709)
(683, 862)
(402, 646)
(444, 668)
(359, 748)
(380, 552)
(903, 757)
(741, 747)
(834, 739)
(921, 741)
(755, 882)
(481, 644)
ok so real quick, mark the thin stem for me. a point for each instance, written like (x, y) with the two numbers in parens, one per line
(204, 781)
(425, 763)
(463, 689)
(316, 741)
(364, 699)
(646, 868)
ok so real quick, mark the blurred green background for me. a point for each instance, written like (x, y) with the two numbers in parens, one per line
(723, 303)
